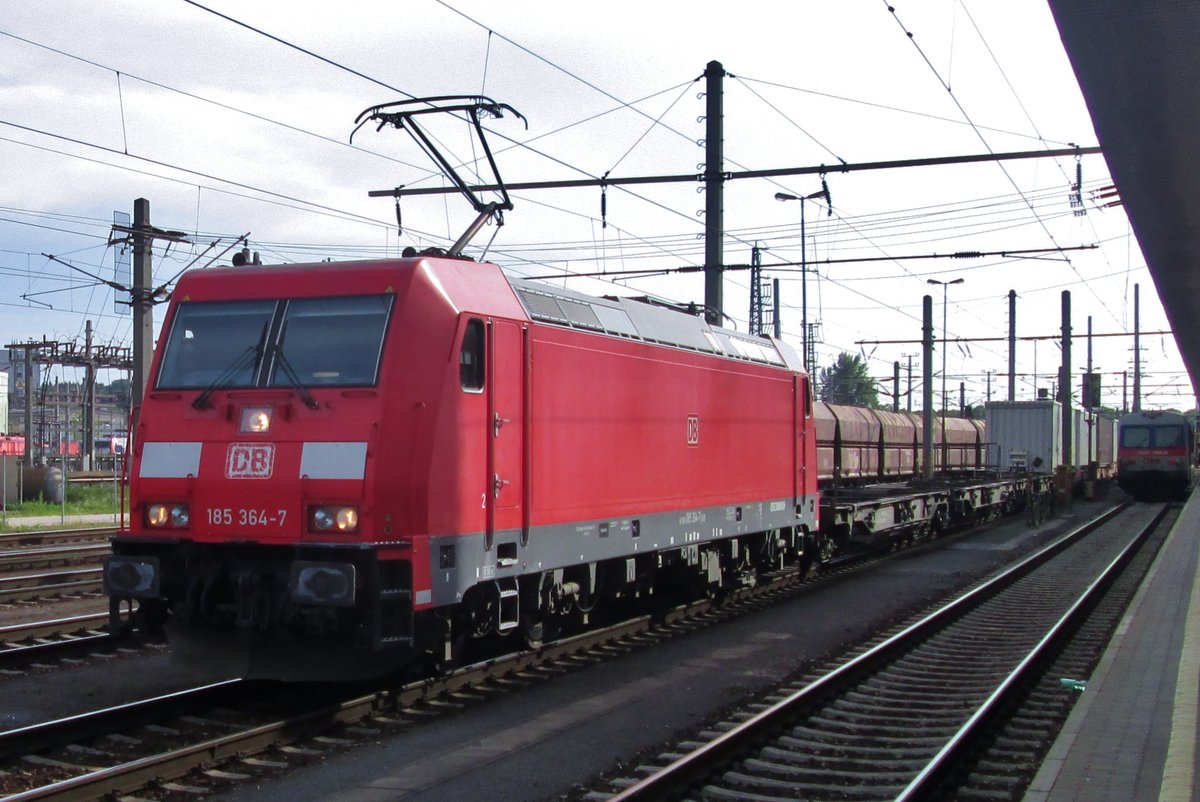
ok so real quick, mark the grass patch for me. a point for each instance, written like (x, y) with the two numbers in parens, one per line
(90, 498)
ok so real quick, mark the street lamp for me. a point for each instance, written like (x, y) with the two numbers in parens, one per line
(785, 196)
(945, 285)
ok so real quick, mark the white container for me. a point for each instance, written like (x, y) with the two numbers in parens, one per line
(1084, 437)
(1024, 434)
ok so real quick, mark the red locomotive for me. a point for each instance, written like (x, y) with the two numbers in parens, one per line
(339, 469)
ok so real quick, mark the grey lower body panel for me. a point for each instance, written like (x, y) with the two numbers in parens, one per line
(458, 562)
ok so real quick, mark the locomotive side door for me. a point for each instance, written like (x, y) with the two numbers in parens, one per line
(508, 348)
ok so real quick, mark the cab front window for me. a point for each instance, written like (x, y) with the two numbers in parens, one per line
(215, 342)
(331, 341)
(334, 341)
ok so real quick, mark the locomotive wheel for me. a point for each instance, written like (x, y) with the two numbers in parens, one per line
(537, 630)
(539, 625)
(818, 551)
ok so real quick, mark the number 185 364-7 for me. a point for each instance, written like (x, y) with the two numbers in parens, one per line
(241, 516)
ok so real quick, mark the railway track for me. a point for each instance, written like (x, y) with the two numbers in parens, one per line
(205, 738)
(961, 703)
(48, 537)
(52, 556)
(35, 565)
(38, 586)
(43, 642)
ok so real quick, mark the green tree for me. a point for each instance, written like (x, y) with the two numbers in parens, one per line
(848, 382)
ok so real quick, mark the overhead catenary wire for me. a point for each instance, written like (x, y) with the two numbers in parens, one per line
(979, 133)
(652, 244)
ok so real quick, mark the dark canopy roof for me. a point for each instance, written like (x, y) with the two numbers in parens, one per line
(1138, 64)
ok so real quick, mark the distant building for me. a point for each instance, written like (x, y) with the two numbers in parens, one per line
(12, 367)
(58, 427)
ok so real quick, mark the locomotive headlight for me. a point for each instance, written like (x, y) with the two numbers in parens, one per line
(255, 420)
(333, 519)
(321, 520)
(347, 519)
(157, 515)
(179, 516)
(175, 516)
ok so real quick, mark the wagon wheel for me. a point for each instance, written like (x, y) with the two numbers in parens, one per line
(939, 523)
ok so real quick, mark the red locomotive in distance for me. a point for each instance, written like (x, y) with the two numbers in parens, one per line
(340, 469)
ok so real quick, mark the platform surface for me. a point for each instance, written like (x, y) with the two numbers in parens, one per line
(1132, 736)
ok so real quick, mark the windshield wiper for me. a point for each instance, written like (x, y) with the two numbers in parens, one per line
(245, 359)
(297, 385)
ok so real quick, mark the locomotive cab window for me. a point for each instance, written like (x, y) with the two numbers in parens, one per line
(331, 341)
(1135, 437)
(1152, 437)
(275, 343)
(471, 357)
(217, 342)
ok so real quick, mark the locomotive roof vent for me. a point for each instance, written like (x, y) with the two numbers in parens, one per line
(634, 319)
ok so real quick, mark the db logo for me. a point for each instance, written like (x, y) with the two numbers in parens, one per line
(693, 430)
(250, 461)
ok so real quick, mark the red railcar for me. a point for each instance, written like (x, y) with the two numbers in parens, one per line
(857, 445)
(1156, 454)
(343, 468)
(901, 451)
(961, 446)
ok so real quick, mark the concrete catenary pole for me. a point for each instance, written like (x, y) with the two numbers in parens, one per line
(775, 319)
(1064, 390)
(1088, 409)
(1012, 346)
(1137, 350)
(143, 304)
(927, 407)
(714, 188)
(89, 401)
(896, 386)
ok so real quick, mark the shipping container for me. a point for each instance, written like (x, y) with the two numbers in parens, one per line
(1024, 435)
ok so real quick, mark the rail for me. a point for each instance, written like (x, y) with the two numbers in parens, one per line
(698, 766)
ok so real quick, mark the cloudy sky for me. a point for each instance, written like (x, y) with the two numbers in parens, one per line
(234, 118)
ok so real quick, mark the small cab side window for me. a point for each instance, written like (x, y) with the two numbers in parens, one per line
(471, 357)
